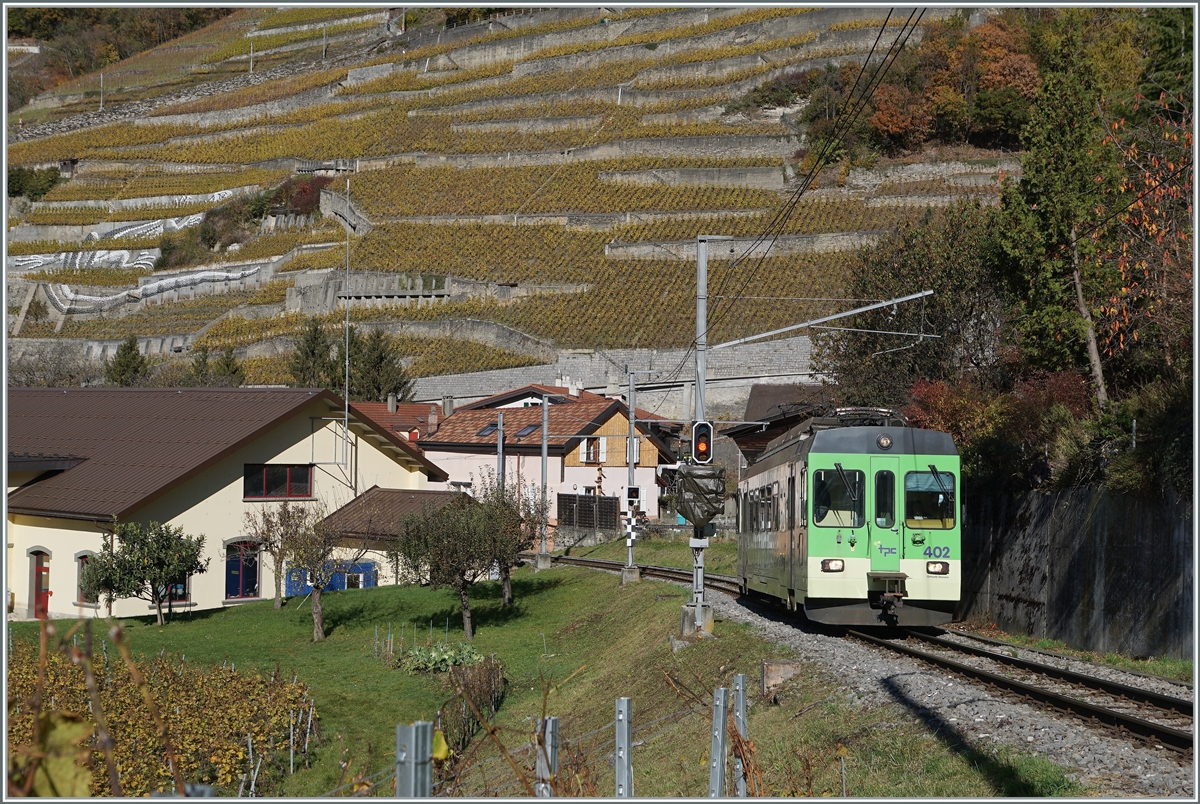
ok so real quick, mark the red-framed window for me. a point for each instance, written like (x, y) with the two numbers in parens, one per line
(265, 481)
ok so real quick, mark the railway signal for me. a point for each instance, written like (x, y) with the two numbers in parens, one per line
(702, 433)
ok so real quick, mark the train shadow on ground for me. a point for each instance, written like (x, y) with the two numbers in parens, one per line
(1006, 777)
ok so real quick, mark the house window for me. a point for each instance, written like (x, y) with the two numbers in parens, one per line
(270, 480)
(94, 597)
(178, 592)
(354, 580)
(241, 570)
(592, 450)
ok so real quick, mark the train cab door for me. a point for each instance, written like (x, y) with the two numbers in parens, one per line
(882, 516)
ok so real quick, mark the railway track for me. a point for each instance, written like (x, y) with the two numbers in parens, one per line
(719, 583)
(1152, 717)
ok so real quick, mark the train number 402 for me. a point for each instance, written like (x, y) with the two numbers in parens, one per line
(937, 552)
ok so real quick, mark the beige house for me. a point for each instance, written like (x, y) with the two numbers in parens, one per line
(196, 458)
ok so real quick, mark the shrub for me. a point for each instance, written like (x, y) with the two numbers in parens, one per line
(439, 658)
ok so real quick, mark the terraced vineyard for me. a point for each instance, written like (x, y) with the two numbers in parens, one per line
(571, 154)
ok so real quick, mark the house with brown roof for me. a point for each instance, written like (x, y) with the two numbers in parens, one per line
(587, 442)
(197, 458)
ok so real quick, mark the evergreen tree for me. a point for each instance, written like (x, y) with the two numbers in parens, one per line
(311, 365)
(228, 371)
(200, 370)
(379, 371)
(128, 367)
(1048, 218)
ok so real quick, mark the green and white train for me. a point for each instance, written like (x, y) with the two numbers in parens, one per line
(854, 518)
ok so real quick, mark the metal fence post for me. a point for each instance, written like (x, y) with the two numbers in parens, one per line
(414, 749)
(547, 756)
(739, 722)
(624, 765)
(716, 757)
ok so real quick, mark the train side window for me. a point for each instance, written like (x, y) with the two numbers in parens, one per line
(838, 499)
(791, 502)
(929, 500)
(803, 499)
(885, 499)
(776, 507)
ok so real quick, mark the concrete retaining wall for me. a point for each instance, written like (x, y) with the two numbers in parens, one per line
(785, 244)
(1098, 571)
(106, 230)
(114, 204)
(767, 178)
(82, 261)
(530, 124)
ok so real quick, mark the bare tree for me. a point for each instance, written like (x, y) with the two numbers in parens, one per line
(323, 552)
(53, 365)
(276, 529)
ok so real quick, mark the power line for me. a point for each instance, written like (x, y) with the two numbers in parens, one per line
(847, 120)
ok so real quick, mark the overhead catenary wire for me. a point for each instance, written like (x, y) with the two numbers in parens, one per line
(846, 122)
(847, 118)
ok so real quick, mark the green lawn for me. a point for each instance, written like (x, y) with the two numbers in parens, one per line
(572, 644)
(668, 551)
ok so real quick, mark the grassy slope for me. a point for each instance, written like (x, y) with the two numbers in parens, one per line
(604, 642)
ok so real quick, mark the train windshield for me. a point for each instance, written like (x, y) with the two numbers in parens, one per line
(929, 500)
(838, 499)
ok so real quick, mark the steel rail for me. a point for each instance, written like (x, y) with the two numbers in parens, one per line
(720, 583)
(1165, 735)
(1114, 688)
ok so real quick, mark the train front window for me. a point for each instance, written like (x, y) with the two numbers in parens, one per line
(929, 500)
(838, 499)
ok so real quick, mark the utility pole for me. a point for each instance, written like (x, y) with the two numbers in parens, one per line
(701, 614)
(251, 57)
(346, 300)
(102, 92)
(630, 573)
(543, 558)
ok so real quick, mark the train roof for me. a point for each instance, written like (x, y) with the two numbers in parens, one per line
(853, 431)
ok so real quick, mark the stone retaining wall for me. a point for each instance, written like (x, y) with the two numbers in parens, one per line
(1099, 571)
(105, 230)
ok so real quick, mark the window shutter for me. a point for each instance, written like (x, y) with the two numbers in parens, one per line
(634, 446)
(603, 443)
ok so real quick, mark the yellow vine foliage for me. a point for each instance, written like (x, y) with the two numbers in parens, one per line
(104, 186)
(209, 711)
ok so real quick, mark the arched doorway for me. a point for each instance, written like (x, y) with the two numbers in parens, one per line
(40, 561)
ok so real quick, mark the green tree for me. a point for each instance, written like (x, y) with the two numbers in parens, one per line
(227, 372)
(128, 367)
(144, 561)
(378, 370)
(512, 517)
(952, 253)
(1047, 218)
(311, 365)
(200, 371)
(453, 547)
(321, 552)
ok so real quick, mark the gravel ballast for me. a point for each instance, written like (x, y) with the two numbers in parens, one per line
(1105, 765)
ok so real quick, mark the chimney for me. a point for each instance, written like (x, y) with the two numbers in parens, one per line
(447, 405)
(433, 419)
(391, 403)
(573, 389)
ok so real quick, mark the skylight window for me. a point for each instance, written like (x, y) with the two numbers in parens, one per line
(487, 431)
(528, 429)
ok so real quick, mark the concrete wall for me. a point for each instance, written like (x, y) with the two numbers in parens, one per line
(1098, 571)
(113, 204)
(762, 178)
(784, 244)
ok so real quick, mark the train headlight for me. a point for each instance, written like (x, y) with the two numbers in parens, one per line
(832, 565)
(937, 567)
